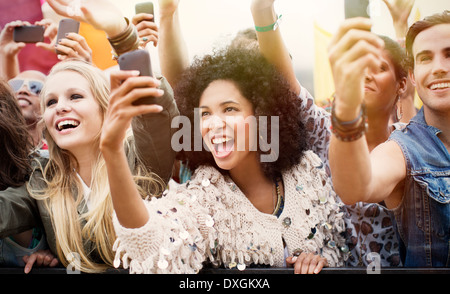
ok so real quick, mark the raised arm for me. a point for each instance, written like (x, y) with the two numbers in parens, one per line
(400, 11)
(127, 201)
(173, 52)
(271, 41)
(356, 174)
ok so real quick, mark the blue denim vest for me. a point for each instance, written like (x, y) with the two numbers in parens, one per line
(423, 217)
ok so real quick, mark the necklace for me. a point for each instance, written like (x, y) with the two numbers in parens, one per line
(280, 200)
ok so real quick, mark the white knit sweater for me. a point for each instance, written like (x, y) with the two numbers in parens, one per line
(209, 218)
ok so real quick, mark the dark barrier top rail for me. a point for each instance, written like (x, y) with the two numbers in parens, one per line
(256, 271)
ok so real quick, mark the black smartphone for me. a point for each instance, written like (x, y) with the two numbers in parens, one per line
(66, 25)
(145, 7)
(138, 60)
(355, 8)
(29, 34)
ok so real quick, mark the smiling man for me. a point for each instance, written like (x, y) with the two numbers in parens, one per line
(27, 86)
(411, 171)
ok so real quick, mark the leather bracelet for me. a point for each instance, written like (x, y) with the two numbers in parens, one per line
(126, 41)
(348, 131)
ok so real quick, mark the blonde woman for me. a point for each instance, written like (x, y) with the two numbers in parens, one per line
(69, 192)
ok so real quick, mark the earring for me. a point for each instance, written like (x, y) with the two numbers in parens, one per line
(399, 110)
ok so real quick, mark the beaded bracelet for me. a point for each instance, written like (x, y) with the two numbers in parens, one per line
(272, 27)
(126, 41)
(348, 131)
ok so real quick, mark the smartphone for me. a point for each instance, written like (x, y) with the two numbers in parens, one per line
(29, 34)
(145, 7)
(355, 8)
(66, 25)
(138, 60)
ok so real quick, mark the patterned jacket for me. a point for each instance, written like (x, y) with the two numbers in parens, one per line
(210, 219)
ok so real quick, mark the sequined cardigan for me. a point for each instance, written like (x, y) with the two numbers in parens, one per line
(210, 219)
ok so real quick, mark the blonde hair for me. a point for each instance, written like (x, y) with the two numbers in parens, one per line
(62, 182)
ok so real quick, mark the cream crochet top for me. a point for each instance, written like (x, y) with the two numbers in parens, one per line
(210, 219)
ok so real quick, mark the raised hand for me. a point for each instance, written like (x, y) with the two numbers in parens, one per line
(121, 109)
(101, 14)
(74, 46)
(8, 46)
(168, 7)
(400, 11)
(352, 51)
(146, 27)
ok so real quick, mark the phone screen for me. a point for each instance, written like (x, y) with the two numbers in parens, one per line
(28, 34)
(355, 8)
(138, 60)
(66, 25)
(145, 7)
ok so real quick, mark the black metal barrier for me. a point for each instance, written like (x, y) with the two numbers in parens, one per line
(272, 280)
(251, 271)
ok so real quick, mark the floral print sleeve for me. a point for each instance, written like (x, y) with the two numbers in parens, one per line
(317, 122)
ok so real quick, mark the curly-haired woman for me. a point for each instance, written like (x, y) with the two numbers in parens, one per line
(245, 204)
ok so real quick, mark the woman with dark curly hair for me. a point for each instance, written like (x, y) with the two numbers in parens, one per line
(269, 96)
(246, 204)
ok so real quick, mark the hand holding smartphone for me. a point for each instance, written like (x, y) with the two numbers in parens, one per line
(145, 7)
(138, 60)
(66, 25)
(29, 34)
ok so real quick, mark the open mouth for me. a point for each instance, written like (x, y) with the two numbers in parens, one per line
(67, 124)
(223, 146)
(23, 102)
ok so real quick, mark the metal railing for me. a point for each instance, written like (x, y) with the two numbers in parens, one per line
(251, 271)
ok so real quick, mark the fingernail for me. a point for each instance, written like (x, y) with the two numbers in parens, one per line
(294, 258)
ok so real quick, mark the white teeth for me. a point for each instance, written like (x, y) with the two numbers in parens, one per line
(220, 140)
(63, 123)
(440, 86)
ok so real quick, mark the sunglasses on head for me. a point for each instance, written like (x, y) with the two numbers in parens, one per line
(34, 86)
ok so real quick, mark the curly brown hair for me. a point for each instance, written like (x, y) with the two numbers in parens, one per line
(263, 86)
(15, 141)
